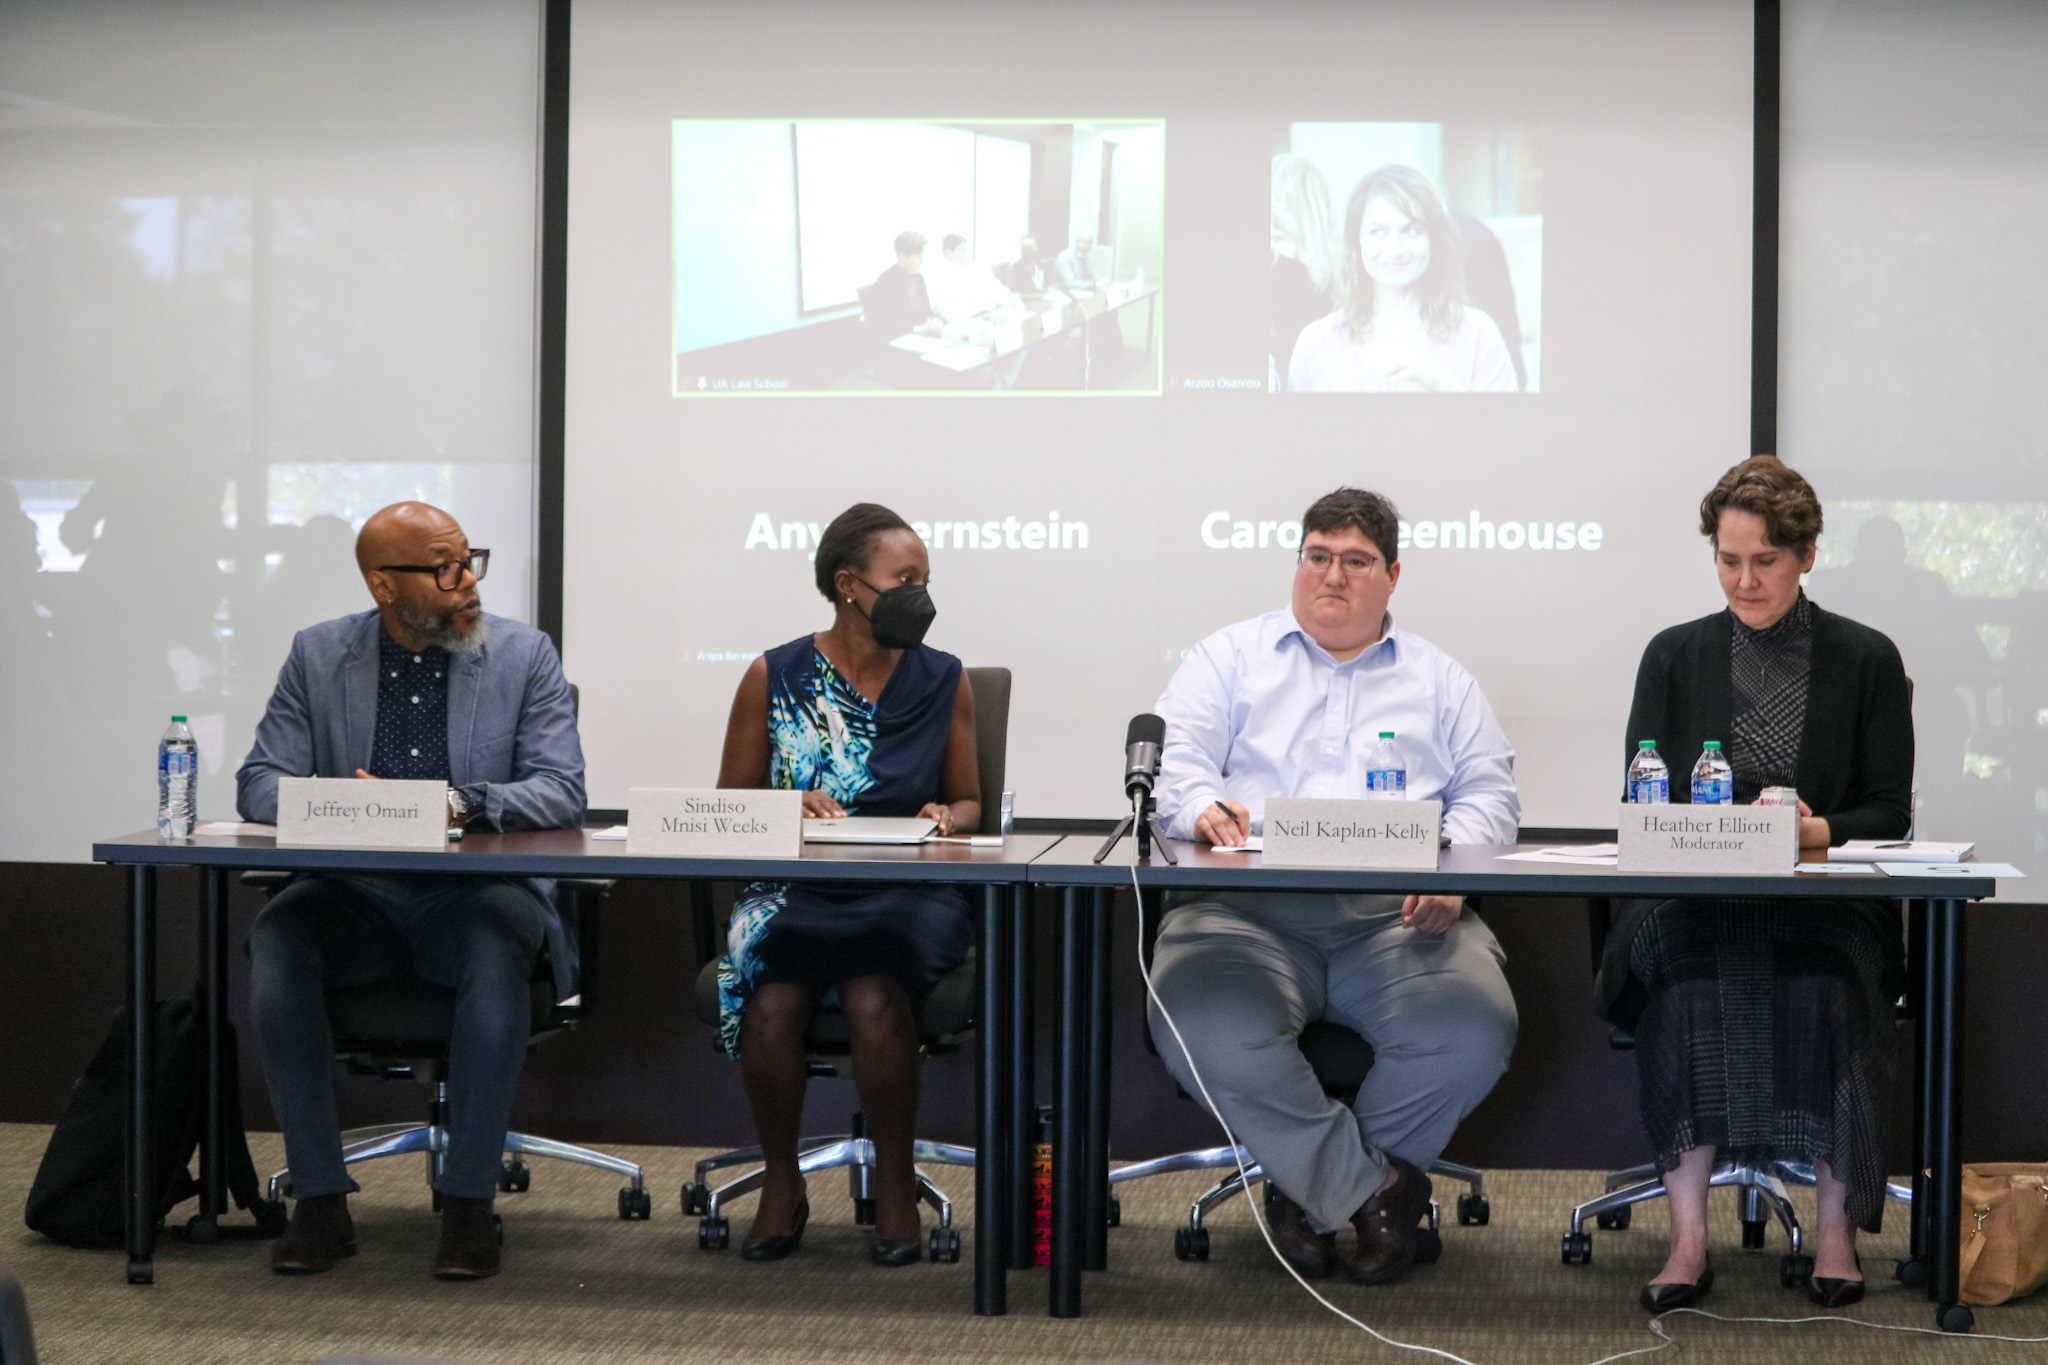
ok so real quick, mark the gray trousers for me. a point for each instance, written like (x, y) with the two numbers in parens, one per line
(1242, 975)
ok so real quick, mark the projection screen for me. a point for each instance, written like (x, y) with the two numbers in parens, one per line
(797, 279)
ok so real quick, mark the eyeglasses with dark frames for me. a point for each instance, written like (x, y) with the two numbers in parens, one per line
(1316, 559)
(448, 575)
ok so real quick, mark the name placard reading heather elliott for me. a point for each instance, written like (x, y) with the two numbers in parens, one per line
(353, 812)
(1303, 831)
(1738, 840)
(707, 822)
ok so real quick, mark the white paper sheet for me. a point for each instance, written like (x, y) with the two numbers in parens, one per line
(225, 828)
(1983, 871)
(1551, 855)
(609, 832)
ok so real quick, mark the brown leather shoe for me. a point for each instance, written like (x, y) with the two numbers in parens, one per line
(470, 1238)
(321, 1233)
(1313, 1254)
(1386, 1227)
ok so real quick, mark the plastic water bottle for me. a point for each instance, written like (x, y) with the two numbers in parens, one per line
(1649, 781)
(177, 781)
(1386, 778)
(1713, 781)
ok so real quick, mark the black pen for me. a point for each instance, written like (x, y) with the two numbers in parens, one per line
(1227, 811)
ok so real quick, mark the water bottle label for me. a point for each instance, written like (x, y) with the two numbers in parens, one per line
(1649, 791)
(1712, 791)
(175, 765)
(1389, 784)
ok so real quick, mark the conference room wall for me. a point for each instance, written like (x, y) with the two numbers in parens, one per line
(262, 271)
(645, 1071)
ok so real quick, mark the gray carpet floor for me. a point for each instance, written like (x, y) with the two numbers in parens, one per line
(580, 1286)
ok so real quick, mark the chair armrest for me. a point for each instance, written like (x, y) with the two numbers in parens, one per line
(269, 883)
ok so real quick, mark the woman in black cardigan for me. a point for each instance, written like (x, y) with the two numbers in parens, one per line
(1761, 1026)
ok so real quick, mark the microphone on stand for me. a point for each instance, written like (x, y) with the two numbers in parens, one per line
(1143, 745)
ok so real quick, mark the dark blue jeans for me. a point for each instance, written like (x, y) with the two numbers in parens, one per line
(325, 932)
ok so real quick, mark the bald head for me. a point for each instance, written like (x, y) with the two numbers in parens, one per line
(399, 550)
(403, 533)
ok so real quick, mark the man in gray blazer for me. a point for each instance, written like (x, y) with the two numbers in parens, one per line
(426, 686)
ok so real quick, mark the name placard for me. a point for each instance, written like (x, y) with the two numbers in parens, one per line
(714, 822)
(1304, 831)
(1753, 840)
(353, 812)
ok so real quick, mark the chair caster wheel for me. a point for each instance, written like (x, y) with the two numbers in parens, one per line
(1191, 1244)
(696, 1199)
(1616, 1220)
(1753, 1235)
(1474, 1210)
(714, 1234)
(864, 1213)
(1912, 1274)
(1955, 1317)
(1429, 1246)
(945, 1245)
(635, 1204)
(202, 1230)
(1795, 1272)
(142, 1270)
(1578, 1248)
(515, 1177)
(1116, 1213)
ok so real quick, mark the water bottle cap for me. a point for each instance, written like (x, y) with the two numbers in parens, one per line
(1713, 744)
(1646, 744)
(1386, 734)
(177, 720)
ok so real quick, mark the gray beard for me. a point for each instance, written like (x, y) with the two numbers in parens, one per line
(436, 630)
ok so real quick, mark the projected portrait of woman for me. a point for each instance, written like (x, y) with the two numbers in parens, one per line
(1402, 323)
(1304, 253)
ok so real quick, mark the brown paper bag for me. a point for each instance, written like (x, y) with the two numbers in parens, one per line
(2005, 1231)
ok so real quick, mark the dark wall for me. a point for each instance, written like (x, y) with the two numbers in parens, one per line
(644, 1070)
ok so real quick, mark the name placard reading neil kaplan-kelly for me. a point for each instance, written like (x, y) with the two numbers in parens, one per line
(352, 812)
(1303, 831)
(709, 822)
(1758, 840)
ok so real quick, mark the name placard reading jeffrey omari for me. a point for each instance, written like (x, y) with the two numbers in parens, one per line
(1759, 840)
(712, 822)
(354, 812)
(1303, 831)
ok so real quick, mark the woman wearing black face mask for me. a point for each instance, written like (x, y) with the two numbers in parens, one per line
(864, 719)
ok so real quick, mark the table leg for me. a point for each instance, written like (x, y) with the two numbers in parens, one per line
(1920, 993)
(1070, 1105)
(991, 1166)
(213, 975)
(1023, 1087)
(1099, 943)
(141, 1182)
(1944, 1230)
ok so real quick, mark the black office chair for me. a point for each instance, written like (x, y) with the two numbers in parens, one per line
(399, 1029)
(17, 1338)
(945, 1023)
(1762, 1189)
(1340, 1058)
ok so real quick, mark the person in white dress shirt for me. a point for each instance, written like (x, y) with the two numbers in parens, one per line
(1290, 704)
(961, 290)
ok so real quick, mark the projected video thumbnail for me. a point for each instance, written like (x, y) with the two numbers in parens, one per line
(1407, 258)
(850, 256)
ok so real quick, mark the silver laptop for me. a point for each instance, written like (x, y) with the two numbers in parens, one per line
(869, 829)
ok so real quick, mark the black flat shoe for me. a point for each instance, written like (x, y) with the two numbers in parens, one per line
(1835, 1293)
(776, 1247)
(1662, 1297)
(884, 1251)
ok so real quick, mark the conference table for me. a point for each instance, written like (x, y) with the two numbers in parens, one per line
(1002, 1186)
(1081, 1104)
(981, 341)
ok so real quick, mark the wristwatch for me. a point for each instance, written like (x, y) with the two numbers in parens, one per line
(458, 812)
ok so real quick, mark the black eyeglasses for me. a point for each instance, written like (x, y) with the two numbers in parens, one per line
(448, 576)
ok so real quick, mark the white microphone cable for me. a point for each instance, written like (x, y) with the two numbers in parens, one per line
(1656, 1325)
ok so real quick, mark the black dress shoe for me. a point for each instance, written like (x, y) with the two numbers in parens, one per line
(1662, 1297)
(1386, 1227)
(890, 1252)
(470, 1240)
(776, 1247)
(320, 1234)
(1836, 1293)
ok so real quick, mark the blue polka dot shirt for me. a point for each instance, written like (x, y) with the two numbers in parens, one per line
(412, 713)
